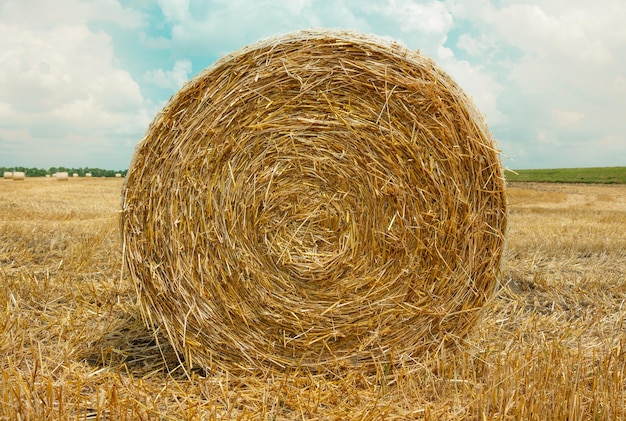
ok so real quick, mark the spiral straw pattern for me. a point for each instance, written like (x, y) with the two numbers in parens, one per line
(318, 198)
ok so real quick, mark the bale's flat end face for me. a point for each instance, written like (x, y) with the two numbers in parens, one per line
(319, 198)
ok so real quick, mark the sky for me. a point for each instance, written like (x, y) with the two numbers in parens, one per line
(81, 80)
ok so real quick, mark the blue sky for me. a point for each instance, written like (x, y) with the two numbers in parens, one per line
(80, 80)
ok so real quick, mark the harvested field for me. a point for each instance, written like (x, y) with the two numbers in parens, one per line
(552, 344)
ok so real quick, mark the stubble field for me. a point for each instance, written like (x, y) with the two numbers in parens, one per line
(551, 345)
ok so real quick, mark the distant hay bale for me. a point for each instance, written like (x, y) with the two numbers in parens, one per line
(18, 175)
(62, 176)
(118, 175)
(88, 174)
(7, 175)
(75, 175)
(318, 198)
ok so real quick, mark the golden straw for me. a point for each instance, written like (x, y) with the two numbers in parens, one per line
(318, 198)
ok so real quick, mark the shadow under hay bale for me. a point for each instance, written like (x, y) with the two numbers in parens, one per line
(139, 351)
(316, 199)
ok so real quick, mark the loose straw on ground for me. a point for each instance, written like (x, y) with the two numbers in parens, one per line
(319, 198)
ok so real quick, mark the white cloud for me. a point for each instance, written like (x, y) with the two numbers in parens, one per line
(619, 84)
(474, 46)
(170, 79)
(62, 83)
(65, 64)
(421, 25)
(174, 10)
(296, 7)
(45, 13)
(571, 34)
(445, 53)
(560, 65)
(565, 118)
(425, 17)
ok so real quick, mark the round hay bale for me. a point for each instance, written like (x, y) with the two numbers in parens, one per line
(62, 176)
(318, 198)
(7, 175)
(19, 175)
(88, 175)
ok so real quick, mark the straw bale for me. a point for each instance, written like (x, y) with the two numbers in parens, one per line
(75, 175)
(315, 199)
(7, 175)
(62, 176)
(18, 175)
(88, 174)
(118, 175)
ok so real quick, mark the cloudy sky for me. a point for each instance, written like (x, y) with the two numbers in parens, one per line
(80, 80)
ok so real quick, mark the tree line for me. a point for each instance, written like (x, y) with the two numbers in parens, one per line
(41, 172)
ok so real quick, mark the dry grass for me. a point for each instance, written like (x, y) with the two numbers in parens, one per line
(72, 344)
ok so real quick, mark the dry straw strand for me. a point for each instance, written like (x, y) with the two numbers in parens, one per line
(318, 198)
